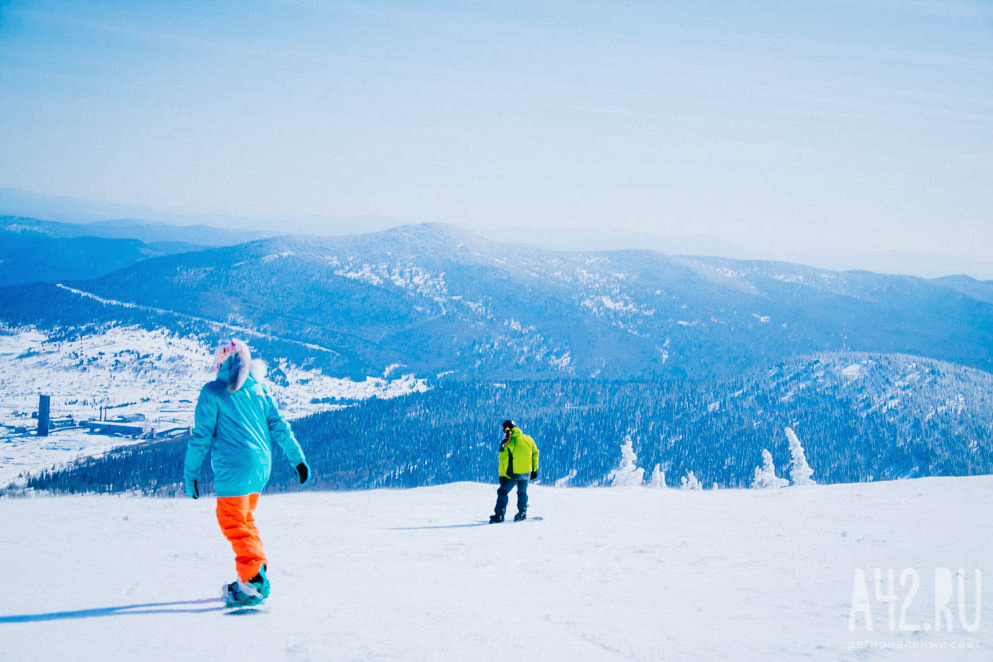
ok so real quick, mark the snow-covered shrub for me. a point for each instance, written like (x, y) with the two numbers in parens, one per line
(658, 477)
(628, 472)
(765, 476)
(800, 471)
(690, 482)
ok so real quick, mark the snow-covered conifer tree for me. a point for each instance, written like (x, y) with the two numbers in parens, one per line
(628, 472)
(658, 477)
(800, 471)
(765, 476)
(690, 482)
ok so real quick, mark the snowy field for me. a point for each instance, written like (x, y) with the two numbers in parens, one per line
(609, 574)
(21, 455)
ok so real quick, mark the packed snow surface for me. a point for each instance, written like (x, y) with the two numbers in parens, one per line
(610, 573)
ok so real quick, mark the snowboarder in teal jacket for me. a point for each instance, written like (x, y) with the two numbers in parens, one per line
(235, 420)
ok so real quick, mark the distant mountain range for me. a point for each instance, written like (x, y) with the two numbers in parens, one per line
(843, 255)
(443, 302)
(33, 250)
(29, 204)
(148, 232)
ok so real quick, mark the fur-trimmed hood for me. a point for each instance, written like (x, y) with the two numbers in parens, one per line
(236, 364)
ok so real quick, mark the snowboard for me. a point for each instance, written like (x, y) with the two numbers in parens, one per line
(238, 610)
(234, 608)
(510, 520)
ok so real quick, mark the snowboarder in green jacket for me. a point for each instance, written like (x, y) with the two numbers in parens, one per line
(517, 463)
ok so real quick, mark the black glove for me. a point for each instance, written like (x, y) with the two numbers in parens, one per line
(191, 488)
(304, 472)
(534, 474)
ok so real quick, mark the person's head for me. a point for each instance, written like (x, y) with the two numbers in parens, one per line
(508, 425)
(232, 361)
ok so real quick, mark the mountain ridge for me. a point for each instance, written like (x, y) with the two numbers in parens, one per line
(197, 236)
(440, 300)
(415, 289)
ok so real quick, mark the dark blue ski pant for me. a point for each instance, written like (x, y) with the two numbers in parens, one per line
(503, 493)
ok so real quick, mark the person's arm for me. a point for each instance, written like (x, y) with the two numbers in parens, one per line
(204, 424)
(534, 459)
(282, 434)
(503, 458)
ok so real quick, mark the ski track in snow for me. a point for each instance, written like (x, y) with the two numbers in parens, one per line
(214, 324)
(611, 573)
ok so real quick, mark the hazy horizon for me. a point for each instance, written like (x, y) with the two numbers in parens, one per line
(926, 265)
(843, 134)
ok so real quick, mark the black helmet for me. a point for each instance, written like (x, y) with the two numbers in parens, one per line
(508, 425)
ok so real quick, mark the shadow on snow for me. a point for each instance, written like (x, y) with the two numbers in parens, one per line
(123, 610)
(438, 526)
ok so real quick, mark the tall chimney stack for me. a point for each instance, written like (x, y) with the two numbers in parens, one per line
(44, 408)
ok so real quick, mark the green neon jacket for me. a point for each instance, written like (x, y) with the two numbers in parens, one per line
(518, 455)
(237, 429)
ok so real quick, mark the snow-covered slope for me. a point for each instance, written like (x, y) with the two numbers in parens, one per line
(151, 376)
(904, 385)
(624, 573)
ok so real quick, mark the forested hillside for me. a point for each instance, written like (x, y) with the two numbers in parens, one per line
(860, 417)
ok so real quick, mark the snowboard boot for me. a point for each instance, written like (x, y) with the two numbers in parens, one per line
(496, 519)
(261, 583)
(241, 594)
(521, 516)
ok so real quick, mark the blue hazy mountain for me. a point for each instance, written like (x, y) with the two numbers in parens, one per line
(35, 250)
(187, 237)
(981, 290)
(27, 257)
(442, 301)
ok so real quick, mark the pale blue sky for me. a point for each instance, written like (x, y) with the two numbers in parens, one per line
(783, 127)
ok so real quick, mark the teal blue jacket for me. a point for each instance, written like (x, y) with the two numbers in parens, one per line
(237, 429)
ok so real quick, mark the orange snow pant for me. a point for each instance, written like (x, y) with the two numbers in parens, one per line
(234, 514)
